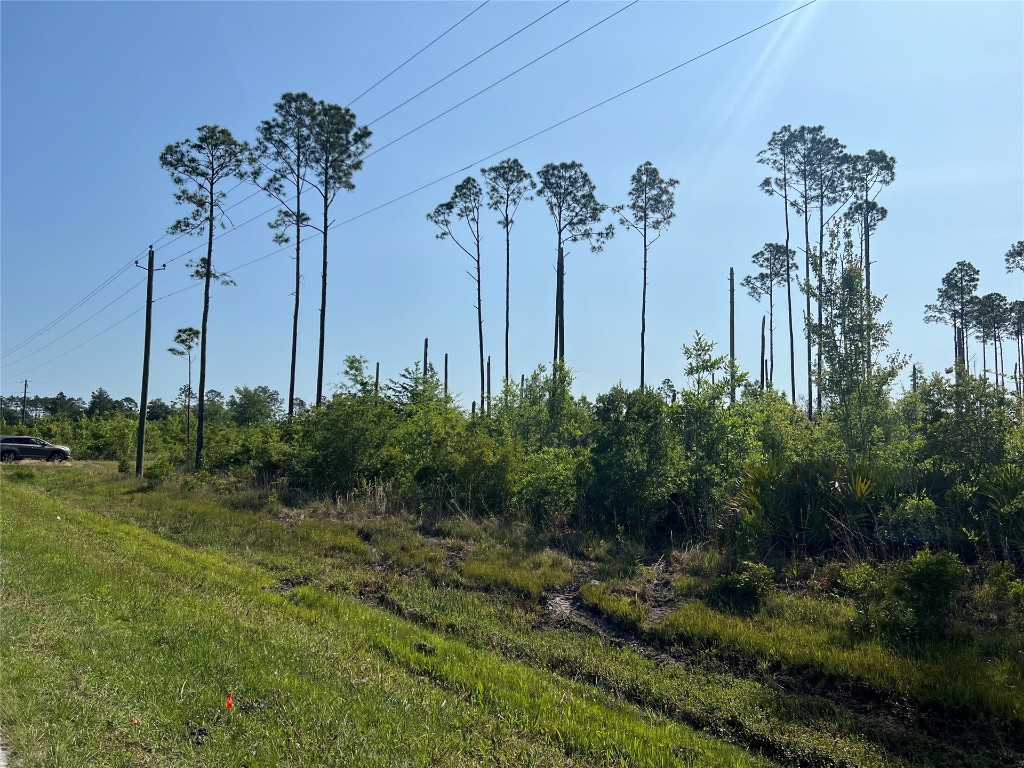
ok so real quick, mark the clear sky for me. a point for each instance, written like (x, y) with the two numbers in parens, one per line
(92, 92)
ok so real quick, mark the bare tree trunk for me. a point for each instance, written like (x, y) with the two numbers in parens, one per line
(771, 333)
(188, 407)
(508, 277)
(807, 317)
(295, 314)
(201, 409)
(760, 363)
(789, 309)
(867, 271)
(559, 348)
(323, 316)
(643, 312)
(480, 320)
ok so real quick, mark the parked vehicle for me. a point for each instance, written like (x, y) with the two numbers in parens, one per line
(15, 448)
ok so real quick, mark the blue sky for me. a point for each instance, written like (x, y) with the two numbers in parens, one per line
(92, 92)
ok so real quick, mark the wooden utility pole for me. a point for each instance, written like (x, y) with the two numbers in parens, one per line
(140, 443)
(732, 335)
(24, 402)
(761, 364)
(446, 374)
(426, 344)
(376, 381)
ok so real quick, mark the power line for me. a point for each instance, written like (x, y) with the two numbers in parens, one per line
(91, 338)
(551, 127)
(464, 168)
(471, 61)
(506, 77)
(198, 226)
(421, 50)
(83, 300)
(75, 328)
(121, 270)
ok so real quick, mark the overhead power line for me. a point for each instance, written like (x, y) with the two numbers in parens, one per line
(91, 338)
(551, 127)
(506, 77)
(471, 61)
(421, 50)
(192, 250)
(79, 303)
(75, 328)
(464, 168)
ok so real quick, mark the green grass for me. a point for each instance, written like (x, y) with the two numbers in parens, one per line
(528, 575)
(805, 634)
(626, 610)
(120, 645)
(787, 725)
(477, 649)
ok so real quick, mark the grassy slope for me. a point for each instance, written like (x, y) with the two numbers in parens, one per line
(120, 646)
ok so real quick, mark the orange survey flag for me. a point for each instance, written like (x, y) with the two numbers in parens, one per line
(229, 703)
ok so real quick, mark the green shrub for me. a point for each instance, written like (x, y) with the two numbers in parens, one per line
(913, 523)
(744, 589)
(927, 584)
(157, 472)
(910, 601)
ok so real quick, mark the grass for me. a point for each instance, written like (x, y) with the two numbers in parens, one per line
(804, 634)
(626, 610)
(528, 575)
(468, 638)
(121, 644)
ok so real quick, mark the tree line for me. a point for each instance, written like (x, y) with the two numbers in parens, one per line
(858, 469)
(309, 146)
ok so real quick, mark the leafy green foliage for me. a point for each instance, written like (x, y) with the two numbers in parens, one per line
(743, 589)
(637, 460)
(910, 601)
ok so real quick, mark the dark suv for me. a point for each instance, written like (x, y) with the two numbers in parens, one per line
(14, 448)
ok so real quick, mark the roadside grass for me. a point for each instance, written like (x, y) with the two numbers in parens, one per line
(625, 610)
(386, 560)
(527, 575)
(121, 646)
(793, 728)
(812, 636)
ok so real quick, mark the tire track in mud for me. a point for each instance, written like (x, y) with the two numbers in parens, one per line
(914, 733)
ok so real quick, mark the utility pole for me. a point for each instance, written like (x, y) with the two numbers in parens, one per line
(426, 344)
(446, 374)
(140, 446)
(24, 402)
(732, 335)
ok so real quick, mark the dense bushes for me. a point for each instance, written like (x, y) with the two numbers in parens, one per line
(909, 600)
(942, 467)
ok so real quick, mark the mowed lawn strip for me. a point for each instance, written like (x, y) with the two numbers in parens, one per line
(121, 647)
